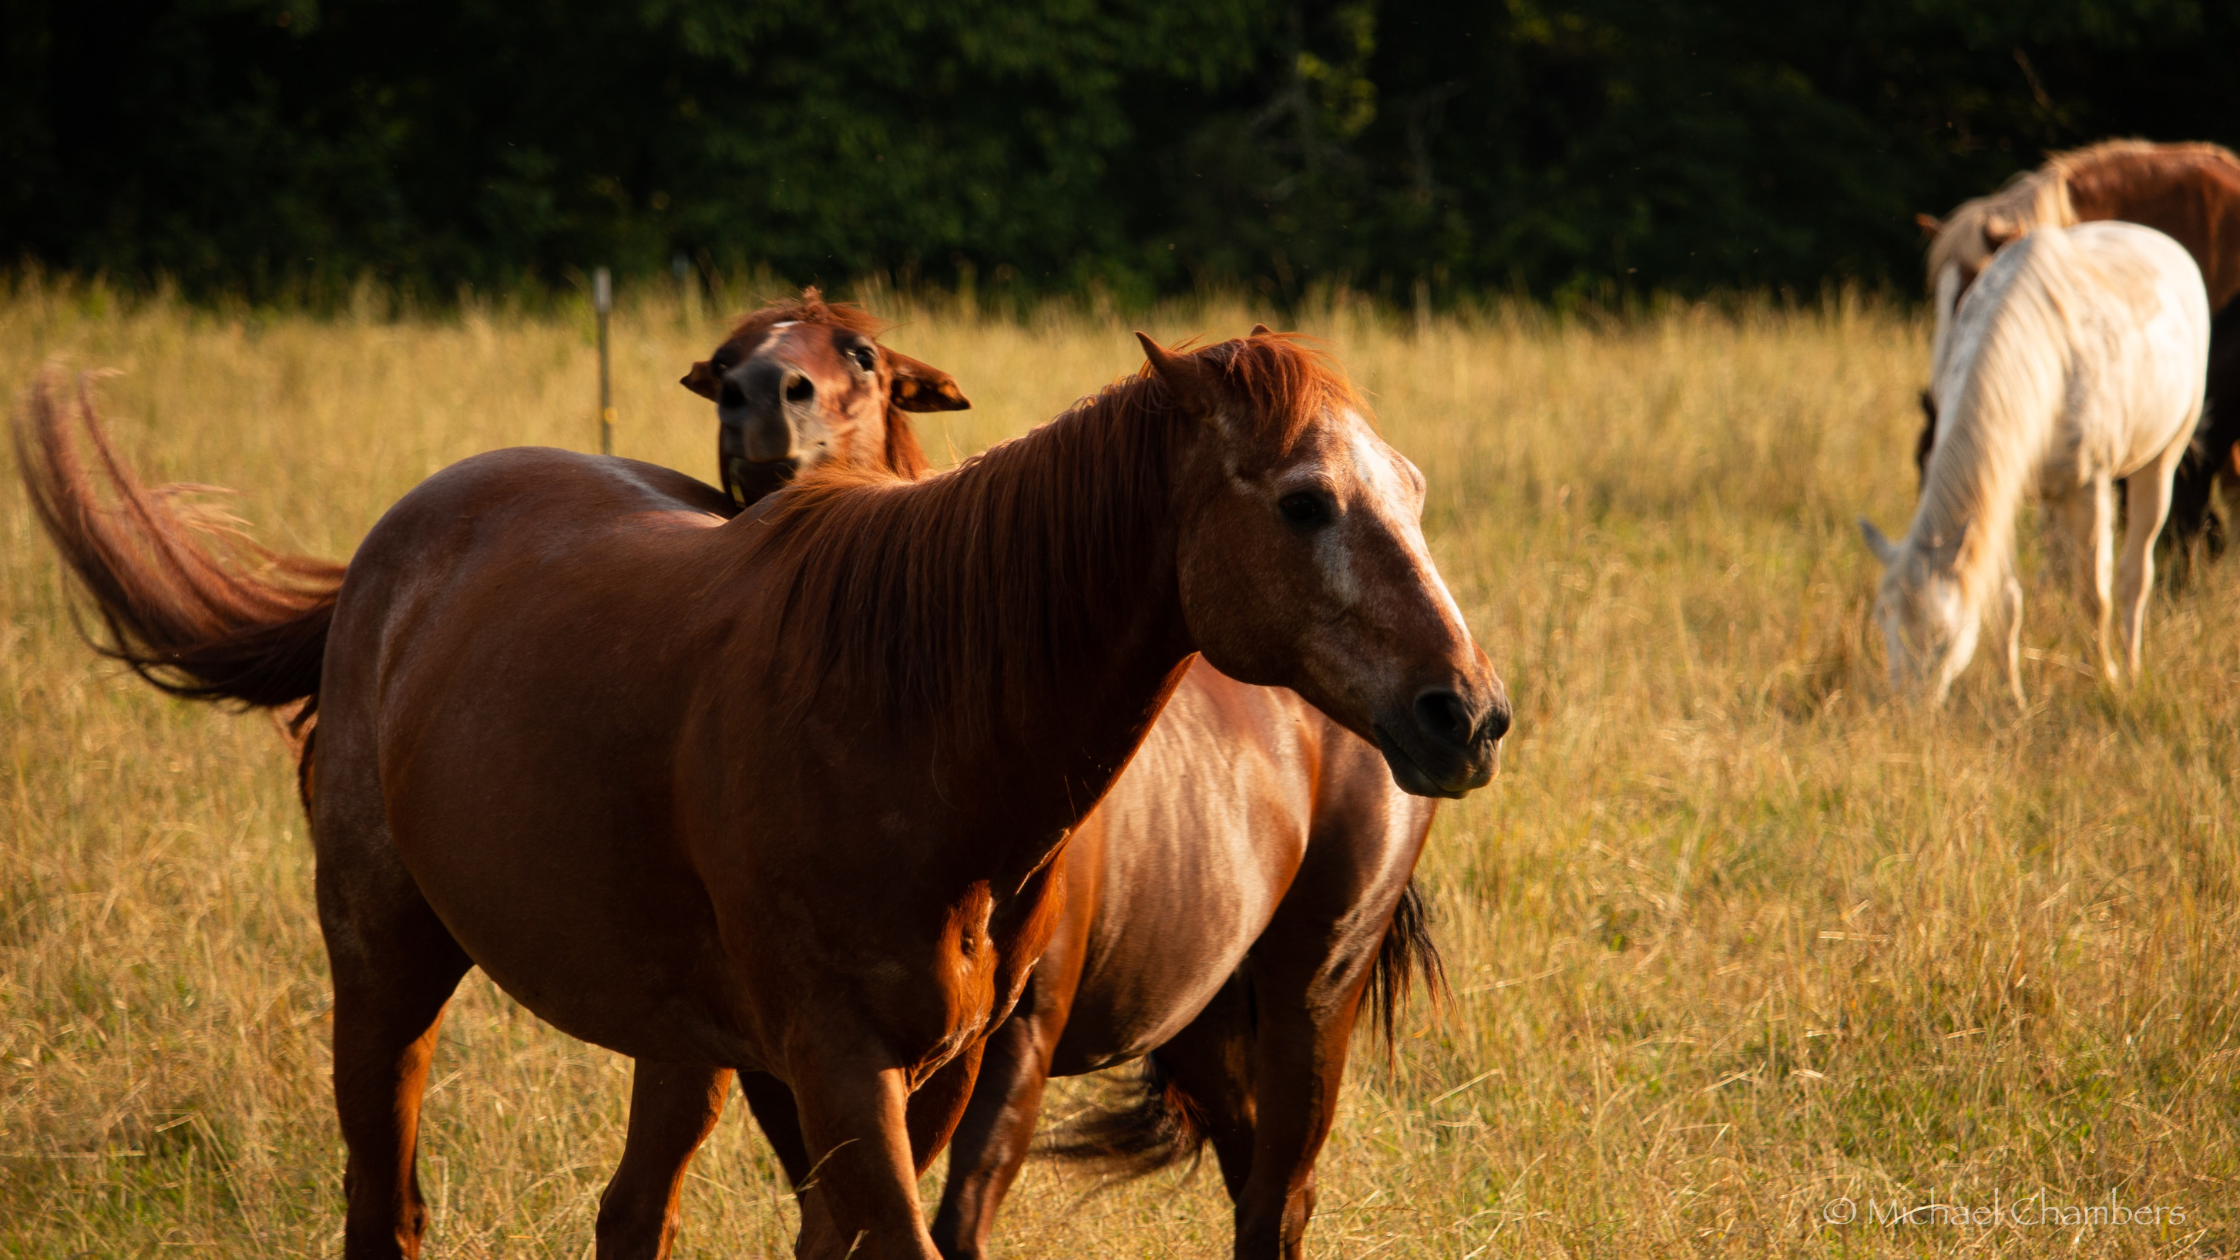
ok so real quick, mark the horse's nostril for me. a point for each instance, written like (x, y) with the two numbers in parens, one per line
(1496, 724)
(1443, 715)
(800, 389)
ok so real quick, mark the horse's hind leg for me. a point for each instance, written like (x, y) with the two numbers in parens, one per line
(997, 1130)
(1209, 1063)
(673, 1107)
(1309, 996)
(394, 966)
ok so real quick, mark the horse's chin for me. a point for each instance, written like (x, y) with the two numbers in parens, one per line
(1413, 779)
(752, 479)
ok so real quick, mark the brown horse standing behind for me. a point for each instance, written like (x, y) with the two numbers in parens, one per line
(777, 414)
(2190, 192)
(1227, 906)
(783, 793)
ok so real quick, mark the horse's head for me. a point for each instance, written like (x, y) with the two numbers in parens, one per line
(1929, 626)
(1302, 562)
(799, 383)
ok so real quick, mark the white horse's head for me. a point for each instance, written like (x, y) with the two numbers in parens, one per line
(1929, 623)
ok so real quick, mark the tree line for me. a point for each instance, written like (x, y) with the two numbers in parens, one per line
(1556, 148)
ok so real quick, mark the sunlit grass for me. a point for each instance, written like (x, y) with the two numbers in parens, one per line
(1732, 936)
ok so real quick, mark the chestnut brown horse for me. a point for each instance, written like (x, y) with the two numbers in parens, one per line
(784, 792)
(1223, 927)
(803, 402)
(2191, 192)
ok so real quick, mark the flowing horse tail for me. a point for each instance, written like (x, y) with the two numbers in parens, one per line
(1156, 1124)
(1408, 955)
(189, 602)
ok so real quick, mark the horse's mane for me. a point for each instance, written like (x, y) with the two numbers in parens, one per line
(963, 598)
(2014, 371)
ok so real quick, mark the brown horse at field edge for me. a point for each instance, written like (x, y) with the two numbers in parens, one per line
(2190, 192)
(1221, 926)
(789, 389)
(806, 769)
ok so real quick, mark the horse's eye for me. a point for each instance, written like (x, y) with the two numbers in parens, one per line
(863, 358)
(1306, 509)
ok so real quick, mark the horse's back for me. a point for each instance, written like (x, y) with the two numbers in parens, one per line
(2144, 343)
(2110, 322)
(2189, 191)
(485, 620)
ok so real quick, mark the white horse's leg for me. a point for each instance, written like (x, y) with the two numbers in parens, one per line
(2087, 517)
(2147, 503)
(2005, 616)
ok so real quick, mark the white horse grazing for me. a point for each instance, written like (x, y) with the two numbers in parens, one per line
(2077, 358)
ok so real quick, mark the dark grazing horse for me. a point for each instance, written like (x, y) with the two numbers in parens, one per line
(785, 792)
(2190, 192)
(1223, 927)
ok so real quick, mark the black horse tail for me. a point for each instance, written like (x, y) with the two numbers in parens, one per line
(1407, 956)
(1154, 1125)
(189, 603)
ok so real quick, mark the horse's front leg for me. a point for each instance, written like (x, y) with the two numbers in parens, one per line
(673, 1108)
(2087, 516)
(2006, 624)
(858, 1119)
(2147, 503)
(932, 1114)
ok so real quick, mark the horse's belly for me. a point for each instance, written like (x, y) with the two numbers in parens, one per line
(1144, 985)
(607, 942)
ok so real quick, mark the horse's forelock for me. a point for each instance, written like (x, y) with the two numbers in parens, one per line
(809, 308)
(1284, 381)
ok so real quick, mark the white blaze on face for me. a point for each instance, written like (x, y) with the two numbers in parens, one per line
(1393, 499)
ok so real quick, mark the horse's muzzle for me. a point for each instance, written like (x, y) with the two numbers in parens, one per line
(1443, 745)
(748, 480)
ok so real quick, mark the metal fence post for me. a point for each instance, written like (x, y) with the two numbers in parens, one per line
(602, 300)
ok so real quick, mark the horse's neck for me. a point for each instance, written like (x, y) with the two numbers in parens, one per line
(1020, 615)
(1996, 420)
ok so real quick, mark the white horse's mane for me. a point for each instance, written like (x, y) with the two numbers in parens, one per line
(2000, 389)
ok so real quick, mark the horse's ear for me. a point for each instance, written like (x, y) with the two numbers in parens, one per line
(921, 386)
(1192, 382)
(1930, 225)
(1261, 330)
(1883, 549)
(702, 379)
(1998, 229)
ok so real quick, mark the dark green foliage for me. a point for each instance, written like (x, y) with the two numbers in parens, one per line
(1562, 149)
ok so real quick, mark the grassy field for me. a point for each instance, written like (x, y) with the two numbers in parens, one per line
(1739, 948)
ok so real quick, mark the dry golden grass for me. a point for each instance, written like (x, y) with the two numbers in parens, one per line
(1733, 937)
